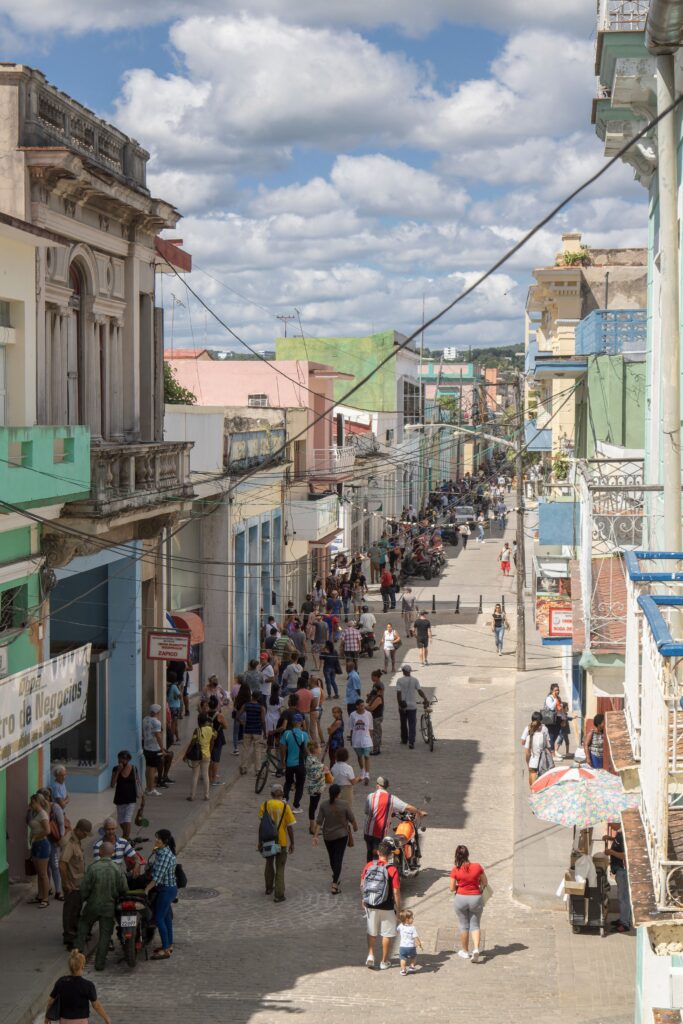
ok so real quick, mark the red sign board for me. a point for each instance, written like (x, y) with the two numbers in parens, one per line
(168, 645)
(560, 621)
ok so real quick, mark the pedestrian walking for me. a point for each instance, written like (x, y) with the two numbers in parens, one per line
(38, 821)
(280, 814)
(294, 742)
(344, 776)
(390, 642)
(102, 887)
(315, 711)
(127, 790)
(408, 609)
(336, 822)
(331, 668)
(152, 748)
(253, 719)
(468, 881)
(381, 897)
(551, 716)
(74, 995)
(360, 726)
(499, 623)
(375, 705)
(505, 558)
(480, 529)
(315, 780)
(407, 687)
(536, 739)
(351, 641)
(595, 741)
(563, 736)
(464, 532)
(352, 687)
(72, 870)
(218, 724)
(174, 701)
(163, 867)
(198, 754)
(386, 586)
(408, 943)
(617, 863)
(423, 632)
(335, 733)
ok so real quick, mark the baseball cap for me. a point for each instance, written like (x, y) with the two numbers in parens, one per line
(383, 781)
(297, 718)
(154, 708)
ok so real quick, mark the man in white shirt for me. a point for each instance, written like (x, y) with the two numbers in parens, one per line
(267, 673)
(290, 677)
(361, 726)
(367, 621)
(406, 689)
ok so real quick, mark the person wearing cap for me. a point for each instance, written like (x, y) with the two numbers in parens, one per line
(72, 870)
(281, 814)
(379, 808)
(407, 687)
(152, 748)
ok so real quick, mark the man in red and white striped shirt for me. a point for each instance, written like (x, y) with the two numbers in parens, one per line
(379, 808)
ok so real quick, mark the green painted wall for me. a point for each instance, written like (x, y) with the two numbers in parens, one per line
(22, 653)
(610, 405)
(39, 479)
(359, 356)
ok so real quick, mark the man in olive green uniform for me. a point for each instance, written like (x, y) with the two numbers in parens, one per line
(102, 887)
(72, 870)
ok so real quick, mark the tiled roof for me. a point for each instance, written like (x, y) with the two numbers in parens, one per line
(643, 899)
(579, 633)
(619, 741)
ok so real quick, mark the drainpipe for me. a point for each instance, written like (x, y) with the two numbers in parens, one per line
(664, 32)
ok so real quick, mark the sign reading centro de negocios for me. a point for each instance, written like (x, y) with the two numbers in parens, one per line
(42, 702)
(168, 645)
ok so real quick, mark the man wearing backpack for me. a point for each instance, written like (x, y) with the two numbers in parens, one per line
(295, 743)
(381, 898)
(276, 840)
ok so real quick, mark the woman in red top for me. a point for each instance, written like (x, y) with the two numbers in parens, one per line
(467, 882)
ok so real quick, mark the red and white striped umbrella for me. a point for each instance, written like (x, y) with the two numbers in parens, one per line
(574, 773)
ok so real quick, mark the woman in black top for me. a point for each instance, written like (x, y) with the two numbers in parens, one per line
(76, 994)
(126, 785)
(331, 668)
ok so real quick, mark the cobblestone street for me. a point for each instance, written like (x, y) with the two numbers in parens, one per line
(239, 957)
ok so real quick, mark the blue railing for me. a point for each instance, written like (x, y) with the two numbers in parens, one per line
(612, 332)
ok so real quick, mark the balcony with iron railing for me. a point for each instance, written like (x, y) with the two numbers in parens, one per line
(612, 332)
(138, 476)
(333, 463)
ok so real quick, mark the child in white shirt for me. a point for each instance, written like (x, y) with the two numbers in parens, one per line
(409, 940)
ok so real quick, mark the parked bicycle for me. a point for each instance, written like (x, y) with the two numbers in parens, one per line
(426, 727)
(271, 763)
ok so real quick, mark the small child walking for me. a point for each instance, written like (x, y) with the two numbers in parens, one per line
(409, 941)
(563, 719)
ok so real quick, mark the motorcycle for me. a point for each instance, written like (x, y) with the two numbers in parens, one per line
(407, 850)
(367, 643)
(133, 925)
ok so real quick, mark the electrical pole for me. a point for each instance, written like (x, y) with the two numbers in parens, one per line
(285, 318)
(520, 561)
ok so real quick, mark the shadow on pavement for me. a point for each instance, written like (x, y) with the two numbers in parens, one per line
(509, 950)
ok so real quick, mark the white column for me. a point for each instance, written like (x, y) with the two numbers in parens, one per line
(116, 385)
(71, 371)
(52, 368)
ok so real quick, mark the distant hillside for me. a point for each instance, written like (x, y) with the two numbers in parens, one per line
(501, 356)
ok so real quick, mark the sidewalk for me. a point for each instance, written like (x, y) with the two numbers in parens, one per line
(30, 939)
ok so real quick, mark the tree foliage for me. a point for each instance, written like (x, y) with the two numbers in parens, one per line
(174, 392)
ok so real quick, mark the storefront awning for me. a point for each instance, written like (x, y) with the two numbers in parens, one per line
(191, 621)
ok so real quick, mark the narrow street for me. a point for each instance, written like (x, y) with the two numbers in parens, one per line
(240, 958)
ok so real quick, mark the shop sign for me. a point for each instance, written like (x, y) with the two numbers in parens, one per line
(560, 621)
(168, 645)
(42, 702)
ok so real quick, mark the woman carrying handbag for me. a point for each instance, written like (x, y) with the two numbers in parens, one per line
(198, 754)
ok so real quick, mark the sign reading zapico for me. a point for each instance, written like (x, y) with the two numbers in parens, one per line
(42, 702)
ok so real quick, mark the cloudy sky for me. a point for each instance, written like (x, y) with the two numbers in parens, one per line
(346, 158)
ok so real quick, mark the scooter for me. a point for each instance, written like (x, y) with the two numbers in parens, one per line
(367, 644)
(133, 927)
(406, 845)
